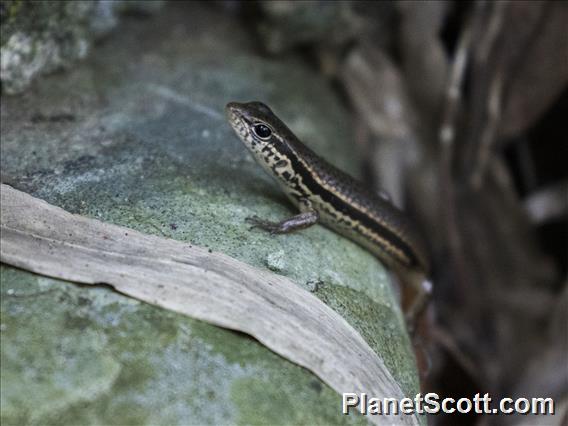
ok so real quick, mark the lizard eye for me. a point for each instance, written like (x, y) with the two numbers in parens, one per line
(262, 131)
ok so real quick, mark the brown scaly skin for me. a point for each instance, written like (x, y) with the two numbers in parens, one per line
(325, 194)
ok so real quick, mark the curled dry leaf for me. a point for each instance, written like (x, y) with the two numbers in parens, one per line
(542, 74)
(377, 91)
(424, 61)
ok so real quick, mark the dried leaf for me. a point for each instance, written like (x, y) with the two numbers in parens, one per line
(377, 91)
(424, 61)
(542, 74)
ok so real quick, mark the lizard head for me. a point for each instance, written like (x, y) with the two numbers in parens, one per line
(256, 125)
(266, 136)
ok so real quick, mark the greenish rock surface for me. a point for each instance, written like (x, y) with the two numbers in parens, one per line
(138, 138)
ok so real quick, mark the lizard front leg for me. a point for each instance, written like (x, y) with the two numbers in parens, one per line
(307, 218)
(294, 223)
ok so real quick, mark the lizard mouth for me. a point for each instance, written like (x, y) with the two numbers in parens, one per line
(233, 113)
(232, 108)
(237, 119)
(237, 122)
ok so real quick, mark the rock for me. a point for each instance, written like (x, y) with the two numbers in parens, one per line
(40, 37)
(137, 137)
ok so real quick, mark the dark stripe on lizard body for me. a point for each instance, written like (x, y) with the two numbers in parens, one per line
(409, 257)
(337, 199)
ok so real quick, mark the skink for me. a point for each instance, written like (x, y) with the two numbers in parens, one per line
(325, 194)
